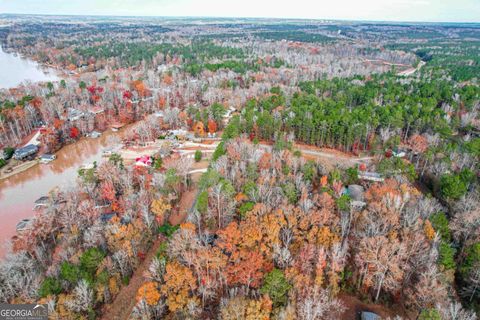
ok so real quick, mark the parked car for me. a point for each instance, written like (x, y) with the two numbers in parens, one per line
(46, 158)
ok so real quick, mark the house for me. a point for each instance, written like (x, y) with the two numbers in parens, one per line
(25, 152)
(355, 192)
(74, 114)
(96, 110)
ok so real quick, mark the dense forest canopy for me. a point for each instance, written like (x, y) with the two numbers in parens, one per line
(295, 170)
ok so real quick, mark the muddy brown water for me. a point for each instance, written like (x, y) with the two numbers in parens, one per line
(19, 192)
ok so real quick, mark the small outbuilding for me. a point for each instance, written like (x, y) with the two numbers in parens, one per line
(46, 158)
(41, 202)
(106, 217)
(74, 114)
(355, 192)
(366, 315)
(94, 134)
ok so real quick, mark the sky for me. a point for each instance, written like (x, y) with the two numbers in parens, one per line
(377, 10)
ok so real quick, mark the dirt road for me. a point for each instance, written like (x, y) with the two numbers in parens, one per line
(353, 306)
(122, 306)
(124, 302)
(411, 71)
(332, 157)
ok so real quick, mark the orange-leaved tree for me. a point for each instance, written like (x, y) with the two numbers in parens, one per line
(149, 292)
(179, 286)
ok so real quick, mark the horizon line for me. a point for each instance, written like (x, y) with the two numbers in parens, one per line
(235, 17)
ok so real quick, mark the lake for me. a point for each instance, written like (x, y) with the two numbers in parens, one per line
(19, 192)
(14, 70)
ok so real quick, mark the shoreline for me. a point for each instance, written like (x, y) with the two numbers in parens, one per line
(47, 70)
(18, 169)
(30, 164)
(30, 180)
(61, 72)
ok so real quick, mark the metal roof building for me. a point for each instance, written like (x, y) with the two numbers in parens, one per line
(26, 151)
